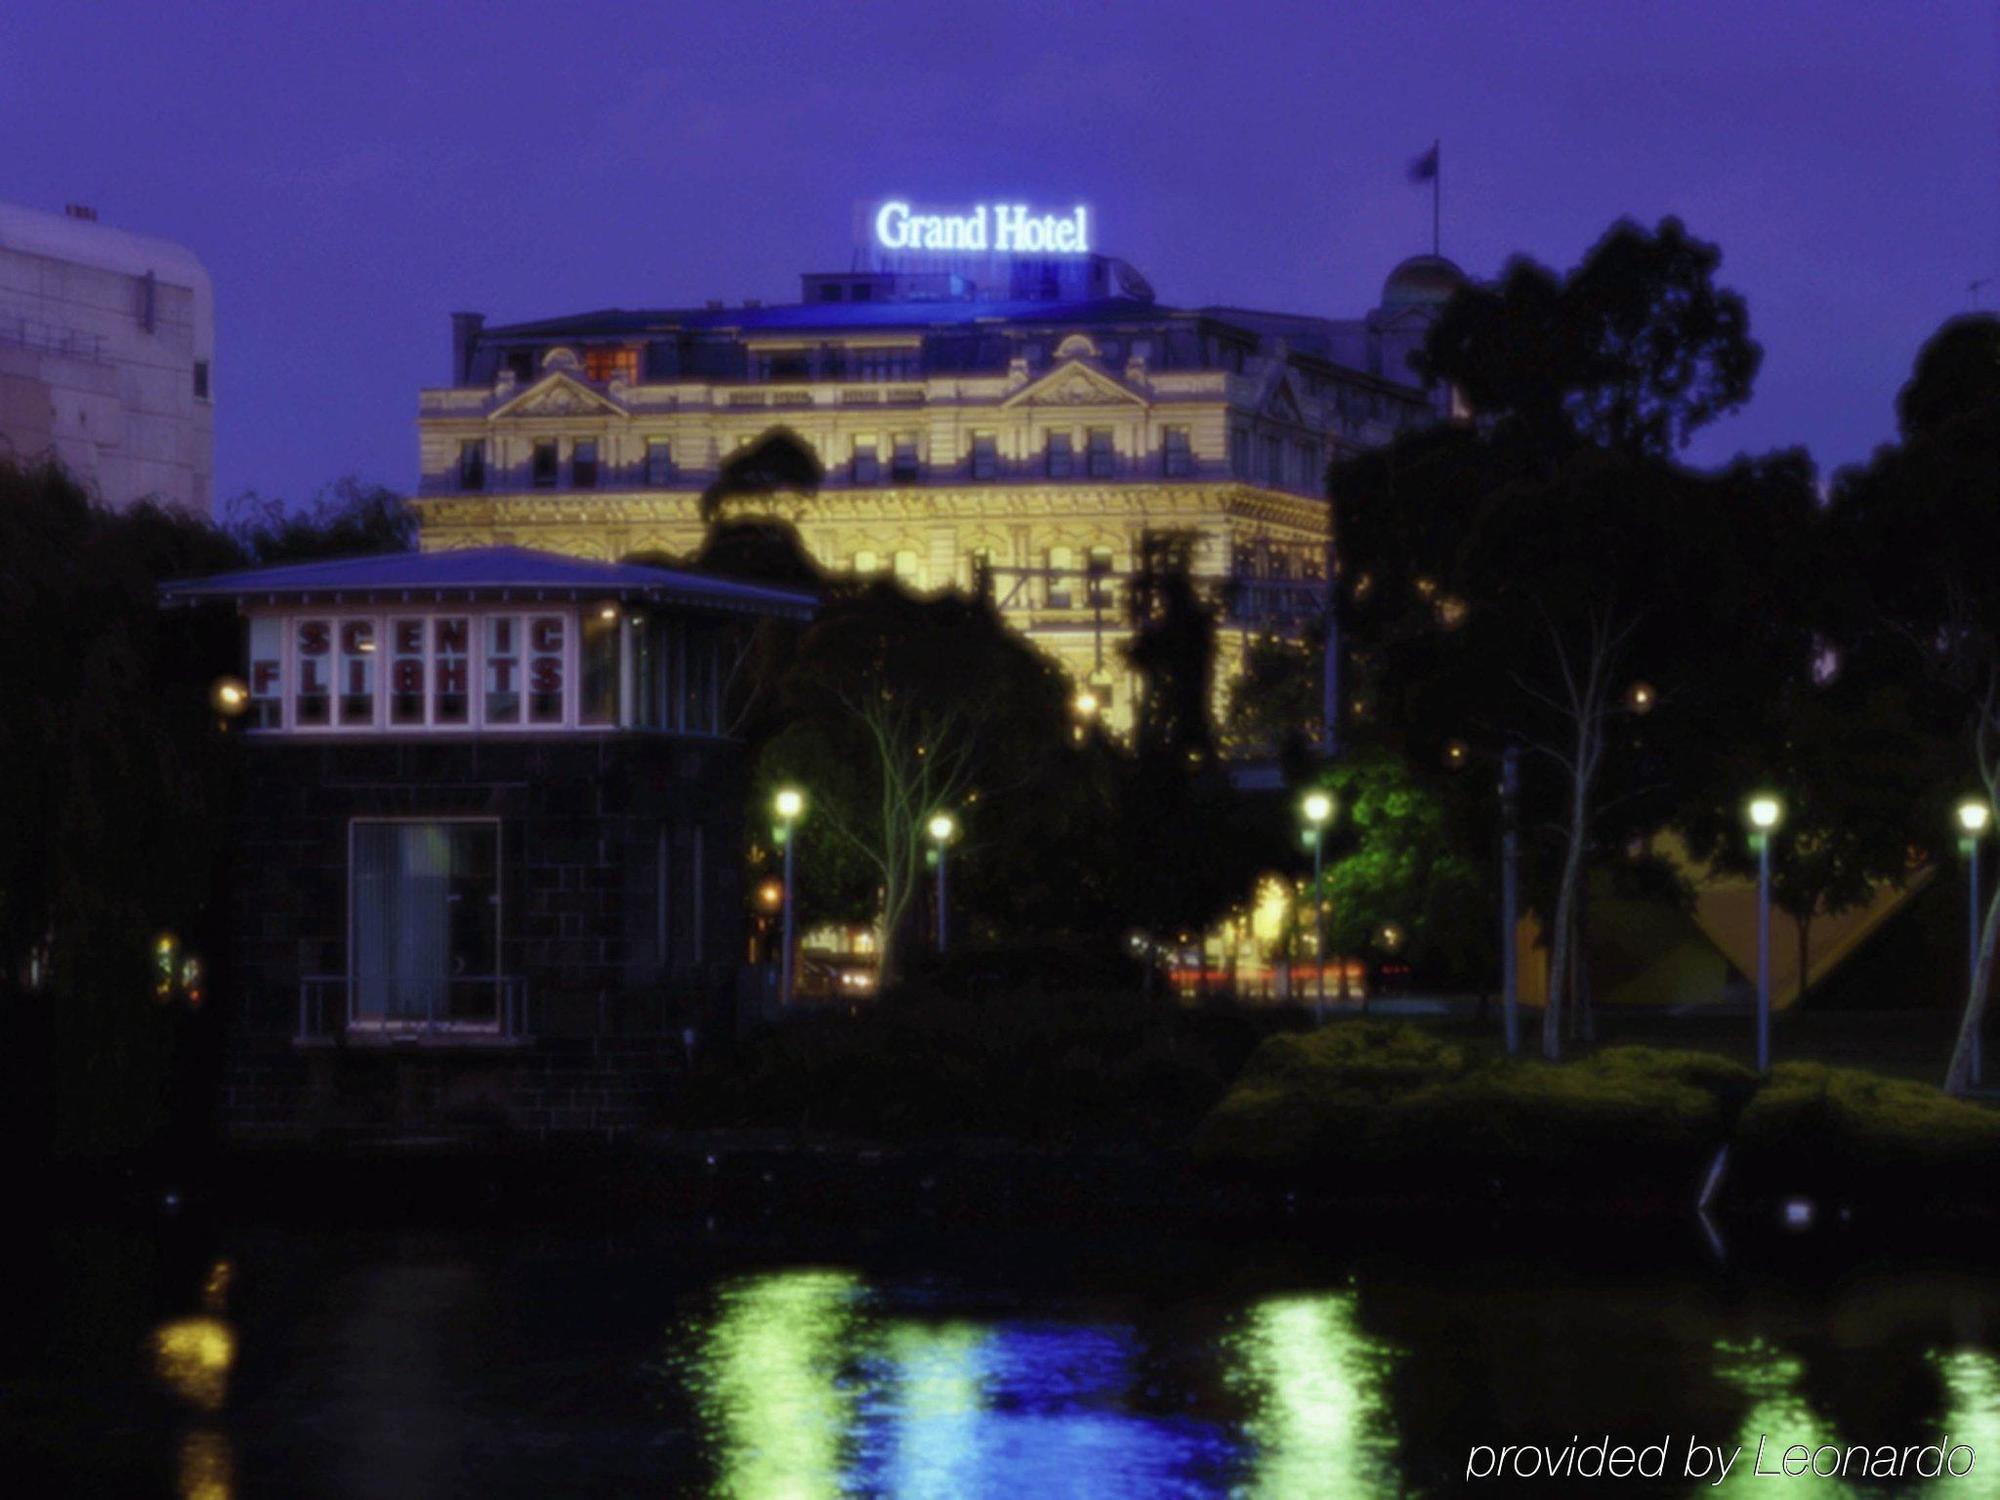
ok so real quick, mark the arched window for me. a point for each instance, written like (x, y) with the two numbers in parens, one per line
(867, 562)
(1062, 562)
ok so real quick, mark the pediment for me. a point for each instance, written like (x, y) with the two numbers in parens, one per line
(1282, 404)
(558, 395)
(1075, 384)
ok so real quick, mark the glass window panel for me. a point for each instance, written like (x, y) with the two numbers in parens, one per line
(406, 671)
(503, 669)
(451, 670)
(312, 704)
(267, 672)
(545, 669)
(357, 671)
(601, 630)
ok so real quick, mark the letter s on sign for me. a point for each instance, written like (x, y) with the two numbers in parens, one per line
(892, 226)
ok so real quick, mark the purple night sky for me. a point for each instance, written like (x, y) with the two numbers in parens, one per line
(352, 174)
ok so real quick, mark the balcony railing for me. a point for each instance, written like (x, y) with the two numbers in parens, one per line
(462, 1008)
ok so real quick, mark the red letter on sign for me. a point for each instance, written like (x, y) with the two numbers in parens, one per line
(545, 675)
(547, 635)
(312, 637)
(409, 677)
(263, 678)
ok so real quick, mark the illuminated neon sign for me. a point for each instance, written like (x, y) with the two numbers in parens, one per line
(1002, 228)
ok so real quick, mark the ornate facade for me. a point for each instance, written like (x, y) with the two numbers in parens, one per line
(1031, 443)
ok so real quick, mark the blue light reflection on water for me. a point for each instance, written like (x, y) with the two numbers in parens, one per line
(809, 1385)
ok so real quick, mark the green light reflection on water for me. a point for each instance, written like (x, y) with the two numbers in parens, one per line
(1319, 1423)
(768, 1384)
(1770, 1378)
(1971, 1381)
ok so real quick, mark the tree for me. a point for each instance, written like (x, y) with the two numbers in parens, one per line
(1917, 533)
(347, 518)
(895, 708)
(1635, 350)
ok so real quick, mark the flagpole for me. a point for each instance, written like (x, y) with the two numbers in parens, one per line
(1437, 192)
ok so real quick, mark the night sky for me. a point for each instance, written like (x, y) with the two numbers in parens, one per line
(352, 174)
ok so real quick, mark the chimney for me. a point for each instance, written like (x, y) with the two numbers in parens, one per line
(80, 211)
(465, 328)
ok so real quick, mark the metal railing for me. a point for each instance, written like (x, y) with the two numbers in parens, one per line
(463, 1007)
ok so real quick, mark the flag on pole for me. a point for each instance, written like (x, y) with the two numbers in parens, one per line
(1425, 167)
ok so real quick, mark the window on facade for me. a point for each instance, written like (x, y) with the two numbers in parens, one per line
(503, 669)
(867, 469)
(659, 463)
(542, 466)
(472, 465)
(790, 365)
(1308, 459)
(979, 569)
(583, 464)
(699, 682)
(425, 898)
(1062, 562)
(905, 565)
(903, 459)
(642, 640)
(1274, 460)
(1097, 449)
(1059, 455)
(867, 562)
(406, 671)
(357, 672)
(883, 364)
(267, 669)
(545, 669)
(1177, 452)
(985, 455)
(521, 364)
(603, 365)
(201, 380)
(1099, 568)
(312, 700)
(599, 654)
(1239, 452)
(451, 670)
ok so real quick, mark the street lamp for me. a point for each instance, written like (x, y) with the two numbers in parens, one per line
(1973, 816)
(229, 696)
(1317, 808)
(1764, 811)
(943, 828)
(789, 804)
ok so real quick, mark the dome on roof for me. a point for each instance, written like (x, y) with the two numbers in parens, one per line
(1422, 281)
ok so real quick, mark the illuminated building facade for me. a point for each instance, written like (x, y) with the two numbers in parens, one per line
(107, 348)
(487, 853)
(1020, 421)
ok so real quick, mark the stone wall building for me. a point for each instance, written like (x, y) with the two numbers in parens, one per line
(107, 358)
(1026, 421)
(487, 849)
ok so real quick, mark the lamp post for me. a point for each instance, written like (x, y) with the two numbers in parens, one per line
(1317, 808)
(1510, 922)
(943, 828)
(1973, 816)
(1764, 811)
(789, 804)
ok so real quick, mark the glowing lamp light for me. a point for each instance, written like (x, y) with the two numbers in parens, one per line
(1317, 807)
(771, 895)
(607, 612)
(1640, 697)
(1764, 812)
(1456, 753)
(789, 803)
(1086, 705)
(1392, 936)
(943, 827)
(230, 696)
(1973, 816)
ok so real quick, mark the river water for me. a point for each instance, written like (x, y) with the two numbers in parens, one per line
(242, 1358)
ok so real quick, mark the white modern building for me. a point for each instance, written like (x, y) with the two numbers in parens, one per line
(107, 350)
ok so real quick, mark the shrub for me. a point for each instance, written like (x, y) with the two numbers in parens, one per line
(1842, 1133)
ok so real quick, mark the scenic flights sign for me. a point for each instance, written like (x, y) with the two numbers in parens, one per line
(989, 228)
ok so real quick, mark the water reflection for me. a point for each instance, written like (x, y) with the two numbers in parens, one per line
(1770, 1379)
(1971, 1382)
(1319, 1420)
(193, 1357)
(808, 1387)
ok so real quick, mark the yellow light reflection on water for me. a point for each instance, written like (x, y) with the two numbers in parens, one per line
(768, 1382)
(1319, 1422)
(207, 1471)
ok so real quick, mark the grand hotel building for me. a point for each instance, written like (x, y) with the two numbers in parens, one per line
(1018, 422)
